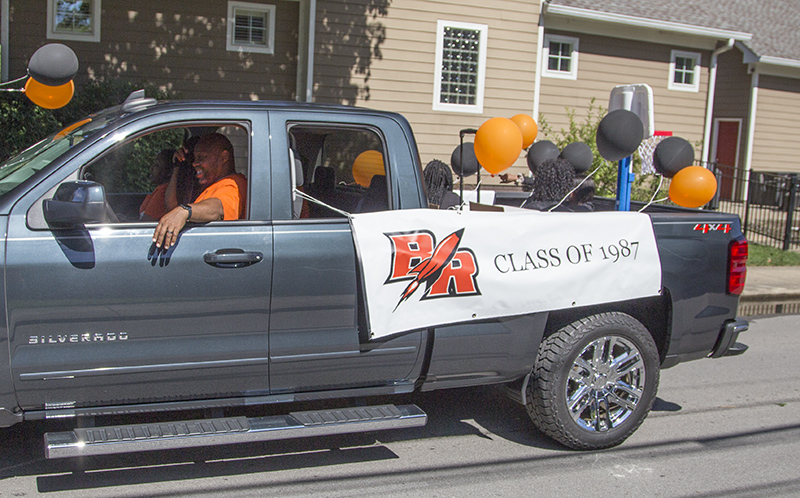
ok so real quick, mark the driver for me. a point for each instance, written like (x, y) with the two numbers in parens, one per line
(223, 197)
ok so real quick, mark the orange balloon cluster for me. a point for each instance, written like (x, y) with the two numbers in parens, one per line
(692, 186)
(49, 97)
(498, 143)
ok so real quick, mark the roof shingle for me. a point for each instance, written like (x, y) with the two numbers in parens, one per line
(774, 24)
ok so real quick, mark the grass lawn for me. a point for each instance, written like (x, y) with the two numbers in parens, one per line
(769, 256)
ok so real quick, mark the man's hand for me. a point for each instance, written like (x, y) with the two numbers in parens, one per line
(169, 226)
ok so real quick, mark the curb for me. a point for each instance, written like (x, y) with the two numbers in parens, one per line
(765, 297)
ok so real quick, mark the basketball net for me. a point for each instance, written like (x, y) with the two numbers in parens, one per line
(646, 149)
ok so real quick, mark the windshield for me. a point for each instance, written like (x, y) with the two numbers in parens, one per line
(22, 166)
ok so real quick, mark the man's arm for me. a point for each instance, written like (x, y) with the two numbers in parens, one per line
(170, 225)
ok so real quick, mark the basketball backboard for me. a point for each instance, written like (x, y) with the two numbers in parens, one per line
(637, 98)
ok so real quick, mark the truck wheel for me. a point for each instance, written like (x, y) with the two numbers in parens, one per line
(594, 381)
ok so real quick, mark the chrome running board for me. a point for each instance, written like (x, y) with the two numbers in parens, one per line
(210, 432)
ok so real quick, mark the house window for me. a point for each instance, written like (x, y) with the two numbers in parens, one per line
(560, 54)
(460, 67)
(684, 71)
(77, 20)
(251, 27)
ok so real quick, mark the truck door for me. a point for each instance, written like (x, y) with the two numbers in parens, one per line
(315, 339)
(98, 317)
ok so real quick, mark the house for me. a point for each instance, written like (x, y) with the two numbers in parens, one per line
(725, 74)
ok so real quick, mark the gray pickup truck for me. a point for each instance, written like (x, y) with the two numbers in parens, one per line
(269, 309)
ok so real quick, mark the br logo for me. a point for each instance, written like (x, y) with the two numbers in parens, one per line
(444, 268)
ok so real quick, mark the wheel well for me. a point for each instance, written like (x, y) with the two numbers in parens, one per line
(653, 312)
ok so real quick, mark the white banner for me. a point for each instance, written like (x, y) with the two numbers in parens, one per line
(424, 268)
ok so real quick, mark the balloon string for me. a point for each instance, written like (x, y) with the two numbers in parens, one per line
(309, 198)
(573, 190)
(12, 82)
(660, 182)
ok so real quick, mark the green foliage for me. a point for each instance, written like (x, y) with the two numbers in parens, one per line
(605, 178)
(23, 123)
(770, 256)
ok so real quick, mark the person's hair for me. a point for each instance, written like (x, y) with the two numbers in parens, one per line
(584, 192)
(554, 180)
(163, 163)
(220, 142)
(438, 180)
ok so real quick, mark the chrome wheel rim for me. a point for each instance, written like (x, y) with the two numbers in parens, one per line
(605, 383)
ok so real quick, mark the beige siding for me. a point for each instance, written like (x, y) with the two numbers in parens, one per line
(179, 45)
(604, 63)
(777, 124)
(384, 58)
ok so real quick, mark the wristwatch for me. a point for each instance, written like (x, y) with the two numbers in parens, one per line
(188, 208)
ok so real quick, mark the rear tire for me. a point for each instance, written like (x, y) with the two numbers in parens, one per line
(594, 381)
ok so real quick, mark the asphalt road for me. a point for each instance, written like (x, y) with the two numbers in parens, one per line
(720, 428)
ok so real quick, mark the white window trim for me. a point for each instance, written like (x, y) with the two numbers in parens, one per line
(53, 35)
(695, 86)
(477, 108)
(572, 74)
(262, 7)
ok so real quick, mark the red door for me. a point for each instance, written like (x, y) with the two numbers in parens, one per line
(726, 155)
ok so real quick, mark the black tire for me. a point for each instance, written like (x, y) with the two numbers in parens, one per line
(612, 393)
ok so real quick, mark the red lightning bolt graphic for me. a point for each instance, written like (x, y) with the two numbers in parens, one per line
(430, 269)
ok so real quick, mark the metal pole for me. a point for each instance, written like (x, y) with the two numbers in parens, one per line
(624, 181)
(787, 232)
(749, 191)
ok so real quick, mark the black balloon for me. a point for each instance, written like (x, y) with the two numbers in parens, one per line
(470, 165)
(619, 134)
(579, 155)
(53, 64)
(672, 155)
(539, 152)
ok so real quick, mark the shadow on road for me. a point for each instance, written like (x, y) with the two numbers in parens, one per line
(483, 412)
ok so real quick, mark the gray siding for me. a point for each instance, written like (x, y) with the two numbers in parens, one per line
(178, 45)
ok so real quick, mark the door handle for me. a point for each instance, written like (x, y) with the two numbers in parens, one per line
(232, 258)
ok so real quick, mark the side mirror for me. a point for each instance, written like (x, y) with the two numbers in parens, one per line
(78, 203)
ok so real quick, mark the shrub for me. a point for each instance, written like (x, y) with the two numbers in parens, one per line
(605, 178)
(24, 123)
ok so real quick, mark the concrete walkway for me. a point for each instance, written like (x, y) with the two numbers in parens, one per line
(771, 283)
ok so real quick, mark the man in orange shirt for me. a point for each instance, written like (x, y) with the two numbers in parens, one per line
(223, 197)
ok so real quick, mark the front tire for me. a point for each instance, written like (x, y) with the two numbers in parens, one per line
(594, 381)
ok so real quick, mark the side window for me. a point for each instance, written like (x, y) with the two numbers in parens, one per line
(560, 54)
(460, 66)
(135, 173)
(343, 168)
(251, 27)
(684, 71)
(77, 20)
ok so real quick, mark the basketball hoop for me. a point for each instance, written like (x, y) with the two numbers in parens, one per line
(646, 149)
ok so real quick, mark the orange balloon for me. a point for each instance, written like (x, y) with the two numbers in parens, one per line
(368, 164)
(528, 128)
(498, 143)
(49, 97)
(692, 186)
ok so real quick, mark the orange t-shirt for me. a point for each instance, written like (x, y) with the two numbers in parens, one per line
(232, 191)
(155, 204)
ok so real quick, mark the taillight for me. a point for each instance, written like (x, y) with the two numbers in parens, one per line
(737, 265)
